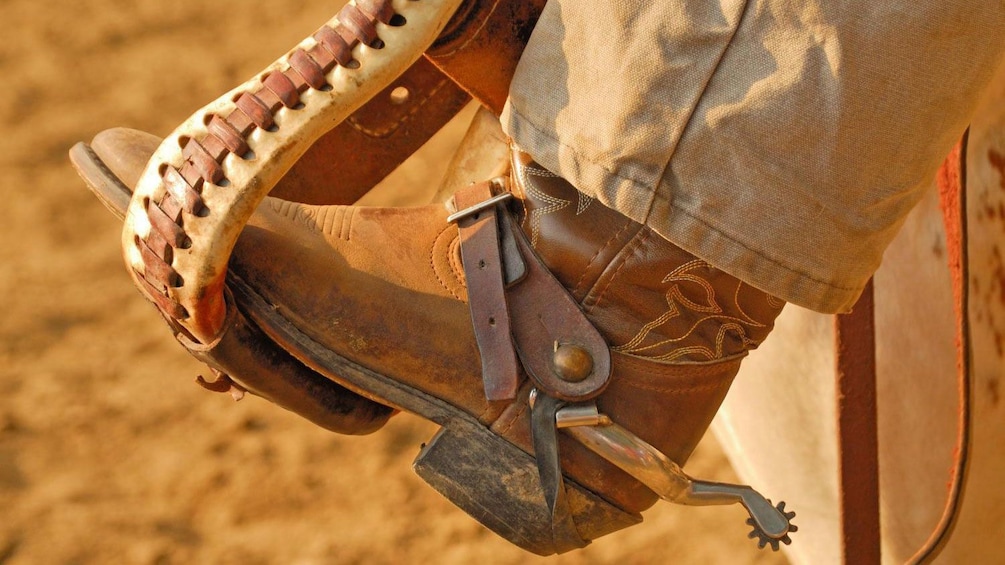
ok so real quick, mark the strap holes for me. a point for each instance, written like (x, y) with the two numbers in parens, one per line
(492, 321)
(397, 20)
(400, 95)
(481, 263)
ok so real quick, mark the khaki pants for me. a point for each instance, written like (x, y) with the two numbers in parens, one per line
(783, 141)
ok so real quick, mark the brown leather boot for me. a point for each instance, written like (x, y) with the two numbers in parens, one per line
(378, 299)
(605, 331)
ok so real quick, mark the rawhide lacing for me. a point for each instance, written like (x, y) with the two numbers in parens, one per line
(256, 108)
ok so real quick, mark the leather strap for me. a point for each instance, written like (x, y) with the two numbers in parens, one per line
(507, 282)
(483, 272)
(952, 181)
(858, 443)
(377, 138)
(857, 388)
(546, 317)
(530, 305)
(545, 435)
(480, 47)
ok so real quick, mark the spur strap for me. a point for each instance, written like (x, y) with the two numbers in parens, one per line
(544, 411)
(519, 310)
(518, 305)
(483, 272)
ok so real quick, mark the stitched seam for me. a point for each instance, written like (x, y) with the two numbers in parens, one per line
(625, 254)
(677, 390)
(701, 95)
(527, 122)
(432, 264)
(697, 368)
(456, 268)
(759, 253)
(464, 45)
(388, 130)
(513, 420)
(582, 277)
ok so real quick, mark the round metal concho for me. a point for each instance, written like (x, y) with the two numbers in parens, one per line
(572, 363)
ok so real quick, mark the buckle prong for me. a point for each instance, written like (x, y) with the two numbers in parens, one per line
(483, 205)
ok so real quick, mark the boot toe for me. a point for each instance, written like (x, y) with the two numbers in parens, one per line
(125, 152)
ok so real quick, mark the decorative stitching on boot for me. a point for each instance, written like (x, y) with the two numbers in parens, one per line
(739, 307)
(553, 204)
(677, 346)
(583, 202)
(452, 261)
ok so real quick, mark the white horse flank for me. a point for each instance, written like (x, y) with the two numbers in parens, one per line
(778, 423)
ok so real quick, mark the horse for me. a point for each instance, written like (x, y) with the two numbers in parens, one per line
(777, 424)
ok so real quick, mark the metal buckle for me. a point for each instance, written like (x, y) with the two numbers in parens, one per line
(483, 205)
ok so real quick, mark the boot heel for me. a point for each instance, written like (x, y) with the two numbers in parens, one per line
(497, 484)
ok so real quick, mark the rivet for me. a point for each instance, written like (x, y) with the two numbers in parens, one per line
(572, 363)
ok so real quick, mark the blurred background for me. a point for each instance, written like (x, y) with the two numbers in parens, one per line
(108, 450)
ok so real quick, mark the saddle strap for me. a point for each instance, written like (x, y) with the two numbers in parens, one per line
(856, 382)
(952, 182)
(858, 437)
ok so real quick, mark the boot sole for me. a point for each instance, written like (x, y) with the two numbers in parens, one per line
(111, 191)
(484, 474)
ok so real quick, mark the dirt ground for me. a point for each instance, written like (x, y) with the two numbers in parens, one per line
(109, 453)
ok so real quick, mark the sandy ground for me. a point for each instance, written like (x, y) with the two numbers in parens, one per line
(108, 451)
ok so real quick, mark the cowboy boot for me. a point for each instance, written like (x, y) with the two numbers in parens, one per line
(581, 307)
(247, 361)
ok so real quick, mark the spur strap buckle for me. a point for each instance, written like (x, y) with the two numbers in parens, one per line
(483, 205)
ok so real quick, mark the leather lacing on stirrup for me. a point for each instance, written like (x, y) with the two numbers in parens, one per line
(522, 314)
(256, 109)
